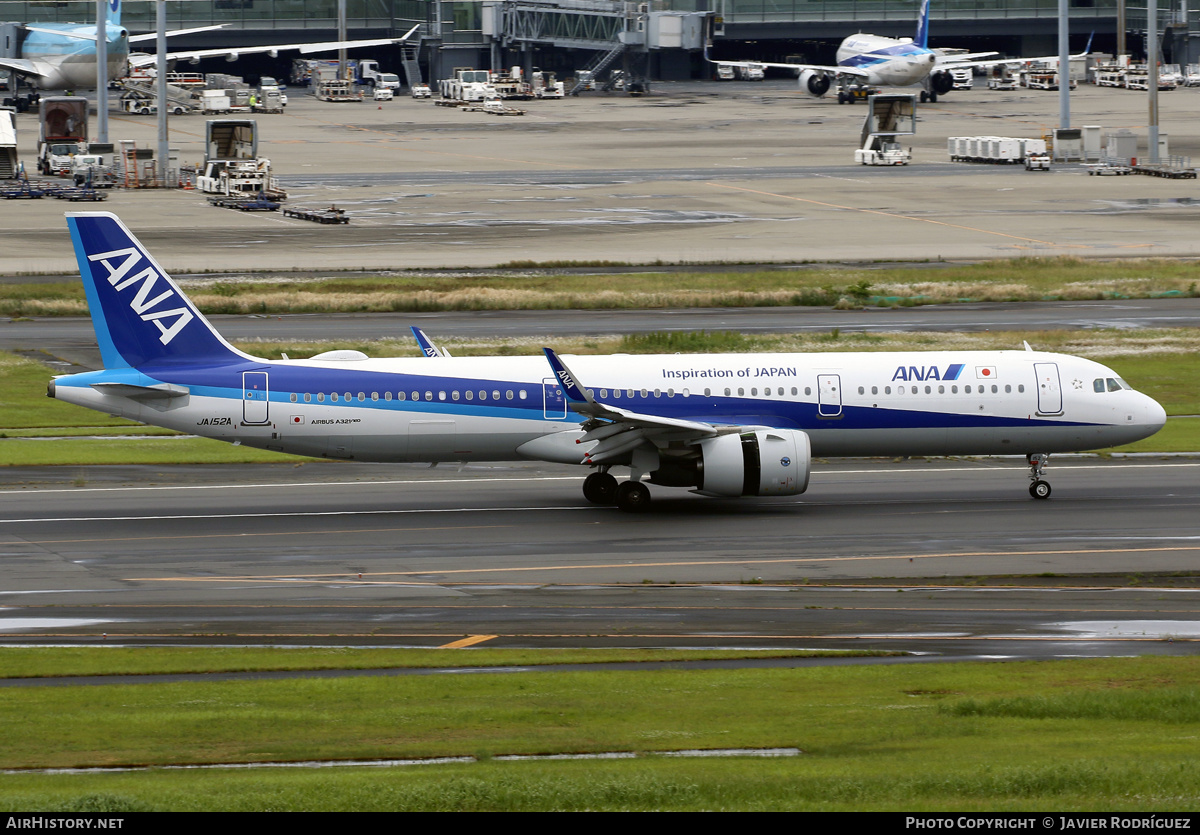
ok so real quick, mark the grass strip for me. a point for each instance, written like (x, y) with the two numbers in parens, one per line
(1068, 735)
(39, 662)
(544, 287)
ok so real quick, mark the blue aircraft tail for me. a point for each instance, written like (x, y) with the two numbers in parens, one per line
(922, 38)
(114, 12)
(141, 316)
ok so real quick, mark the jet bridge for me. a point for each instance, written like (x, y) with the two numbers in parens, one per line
(889, 116)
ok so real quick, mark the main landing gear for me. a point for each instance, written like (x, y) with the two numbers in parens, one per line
(1038, 488)
(602, 488)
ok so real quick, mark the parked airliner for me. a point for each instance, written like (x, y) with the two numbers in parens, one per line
(62, 56)
(719, 424)
(875, 61)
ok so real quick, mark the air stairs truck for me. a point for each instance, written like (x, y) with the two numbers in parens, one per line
(888, 117)
(8, 143)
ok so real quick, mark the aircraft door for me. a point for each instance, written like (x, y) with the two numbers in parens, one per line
(554, 402)
(1050, 401)
(829, 395)
(255, 397)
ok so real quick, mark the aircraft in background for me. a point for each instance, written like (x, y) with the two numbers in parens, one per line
(718, 424)
(62, 56)
(875, 61)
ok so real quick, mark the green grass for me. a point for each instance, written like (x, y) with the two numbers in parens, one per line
(1070, 735)
(541, 287)
(36, 662)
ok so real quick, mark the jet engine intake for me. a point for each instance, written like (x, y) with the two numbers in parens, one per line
(941, 82)
(814, 83)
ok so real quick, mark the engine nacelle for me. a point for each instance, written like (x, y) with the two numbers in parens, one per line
(941, 82)
(814, 83)
(767, 462)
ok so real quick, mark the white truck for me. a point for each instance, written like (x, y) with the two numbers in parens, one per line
(370, 75)
(93, 169)
(467, 85)
(1037, 162)
(890, 153)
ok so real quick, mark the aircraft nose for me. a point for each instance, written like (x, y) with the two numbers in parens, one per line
(1154, 414)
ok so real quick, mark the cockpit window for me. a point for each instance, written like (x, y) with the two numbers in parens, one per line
(1113, 384)
(1098, 385)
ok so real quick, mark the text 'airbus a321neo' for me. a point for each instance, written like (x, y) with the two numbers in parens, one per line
(719, 424)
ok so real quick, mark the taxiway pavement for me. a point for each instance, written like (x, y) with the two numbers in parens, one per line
(697, 172)
(511, 555)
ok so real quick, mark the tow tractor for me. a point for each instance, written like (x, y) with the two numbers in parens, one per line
(1037, 162)
(849, 93)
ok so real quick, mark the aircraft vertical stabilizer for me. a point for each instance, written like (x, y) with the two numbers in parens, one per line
(140, 315)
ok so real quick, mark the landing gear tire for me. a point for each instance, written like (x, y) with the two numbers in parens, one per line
(633, 497)
(933, 97)
(1040, 489)
(924, 97)
(600, 488)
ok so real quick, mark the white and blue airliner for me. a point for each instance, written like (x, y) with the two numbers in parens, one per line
(62, 56)
(865, 60)
(718, 424)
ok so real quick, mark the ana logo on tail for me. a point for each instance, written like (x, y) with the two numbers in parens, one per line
(141, 303)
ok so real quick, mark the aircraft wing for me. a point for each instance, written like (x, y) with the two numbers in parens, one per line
(24, 66)
(231, 53)
(64, 33)
(950, 62)
(799, 68)
(615, 432)
(152, 35)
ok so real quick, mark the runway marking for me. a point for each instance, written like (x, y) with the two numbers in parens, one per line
(982, 467)
(343, 576)
(623, 636)
(253, 534)
(470, 640)
(293, 484)
(891, 215)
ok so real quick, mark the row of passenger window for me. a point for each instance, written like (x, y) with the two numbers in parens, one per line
(470, 395)
(767, 391)
(941, 389)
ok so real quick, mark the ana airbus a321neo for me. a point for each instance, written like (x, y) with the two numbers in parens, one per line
(718, 424)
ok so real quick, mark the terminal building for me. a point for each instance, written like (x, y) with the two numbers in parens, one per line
(664, 39)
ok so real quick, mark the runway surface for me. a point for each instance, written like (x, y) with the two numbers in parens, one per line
(345, 554)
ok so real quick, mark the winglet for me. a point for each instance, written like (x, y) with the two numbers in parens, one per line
(426, 344)
(575, 393)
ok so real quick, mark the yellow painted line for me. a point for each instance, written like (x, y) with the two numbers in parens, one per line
(1016, 639)
(469, 641)
(741, 561)
(888, 214)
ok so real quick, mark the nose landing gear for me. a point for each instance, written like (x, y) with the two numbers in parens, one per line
(1038, 488)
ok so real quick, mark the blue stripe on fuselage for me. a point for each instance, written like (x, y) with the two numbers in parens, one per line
(226, 382)
(882, 56)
